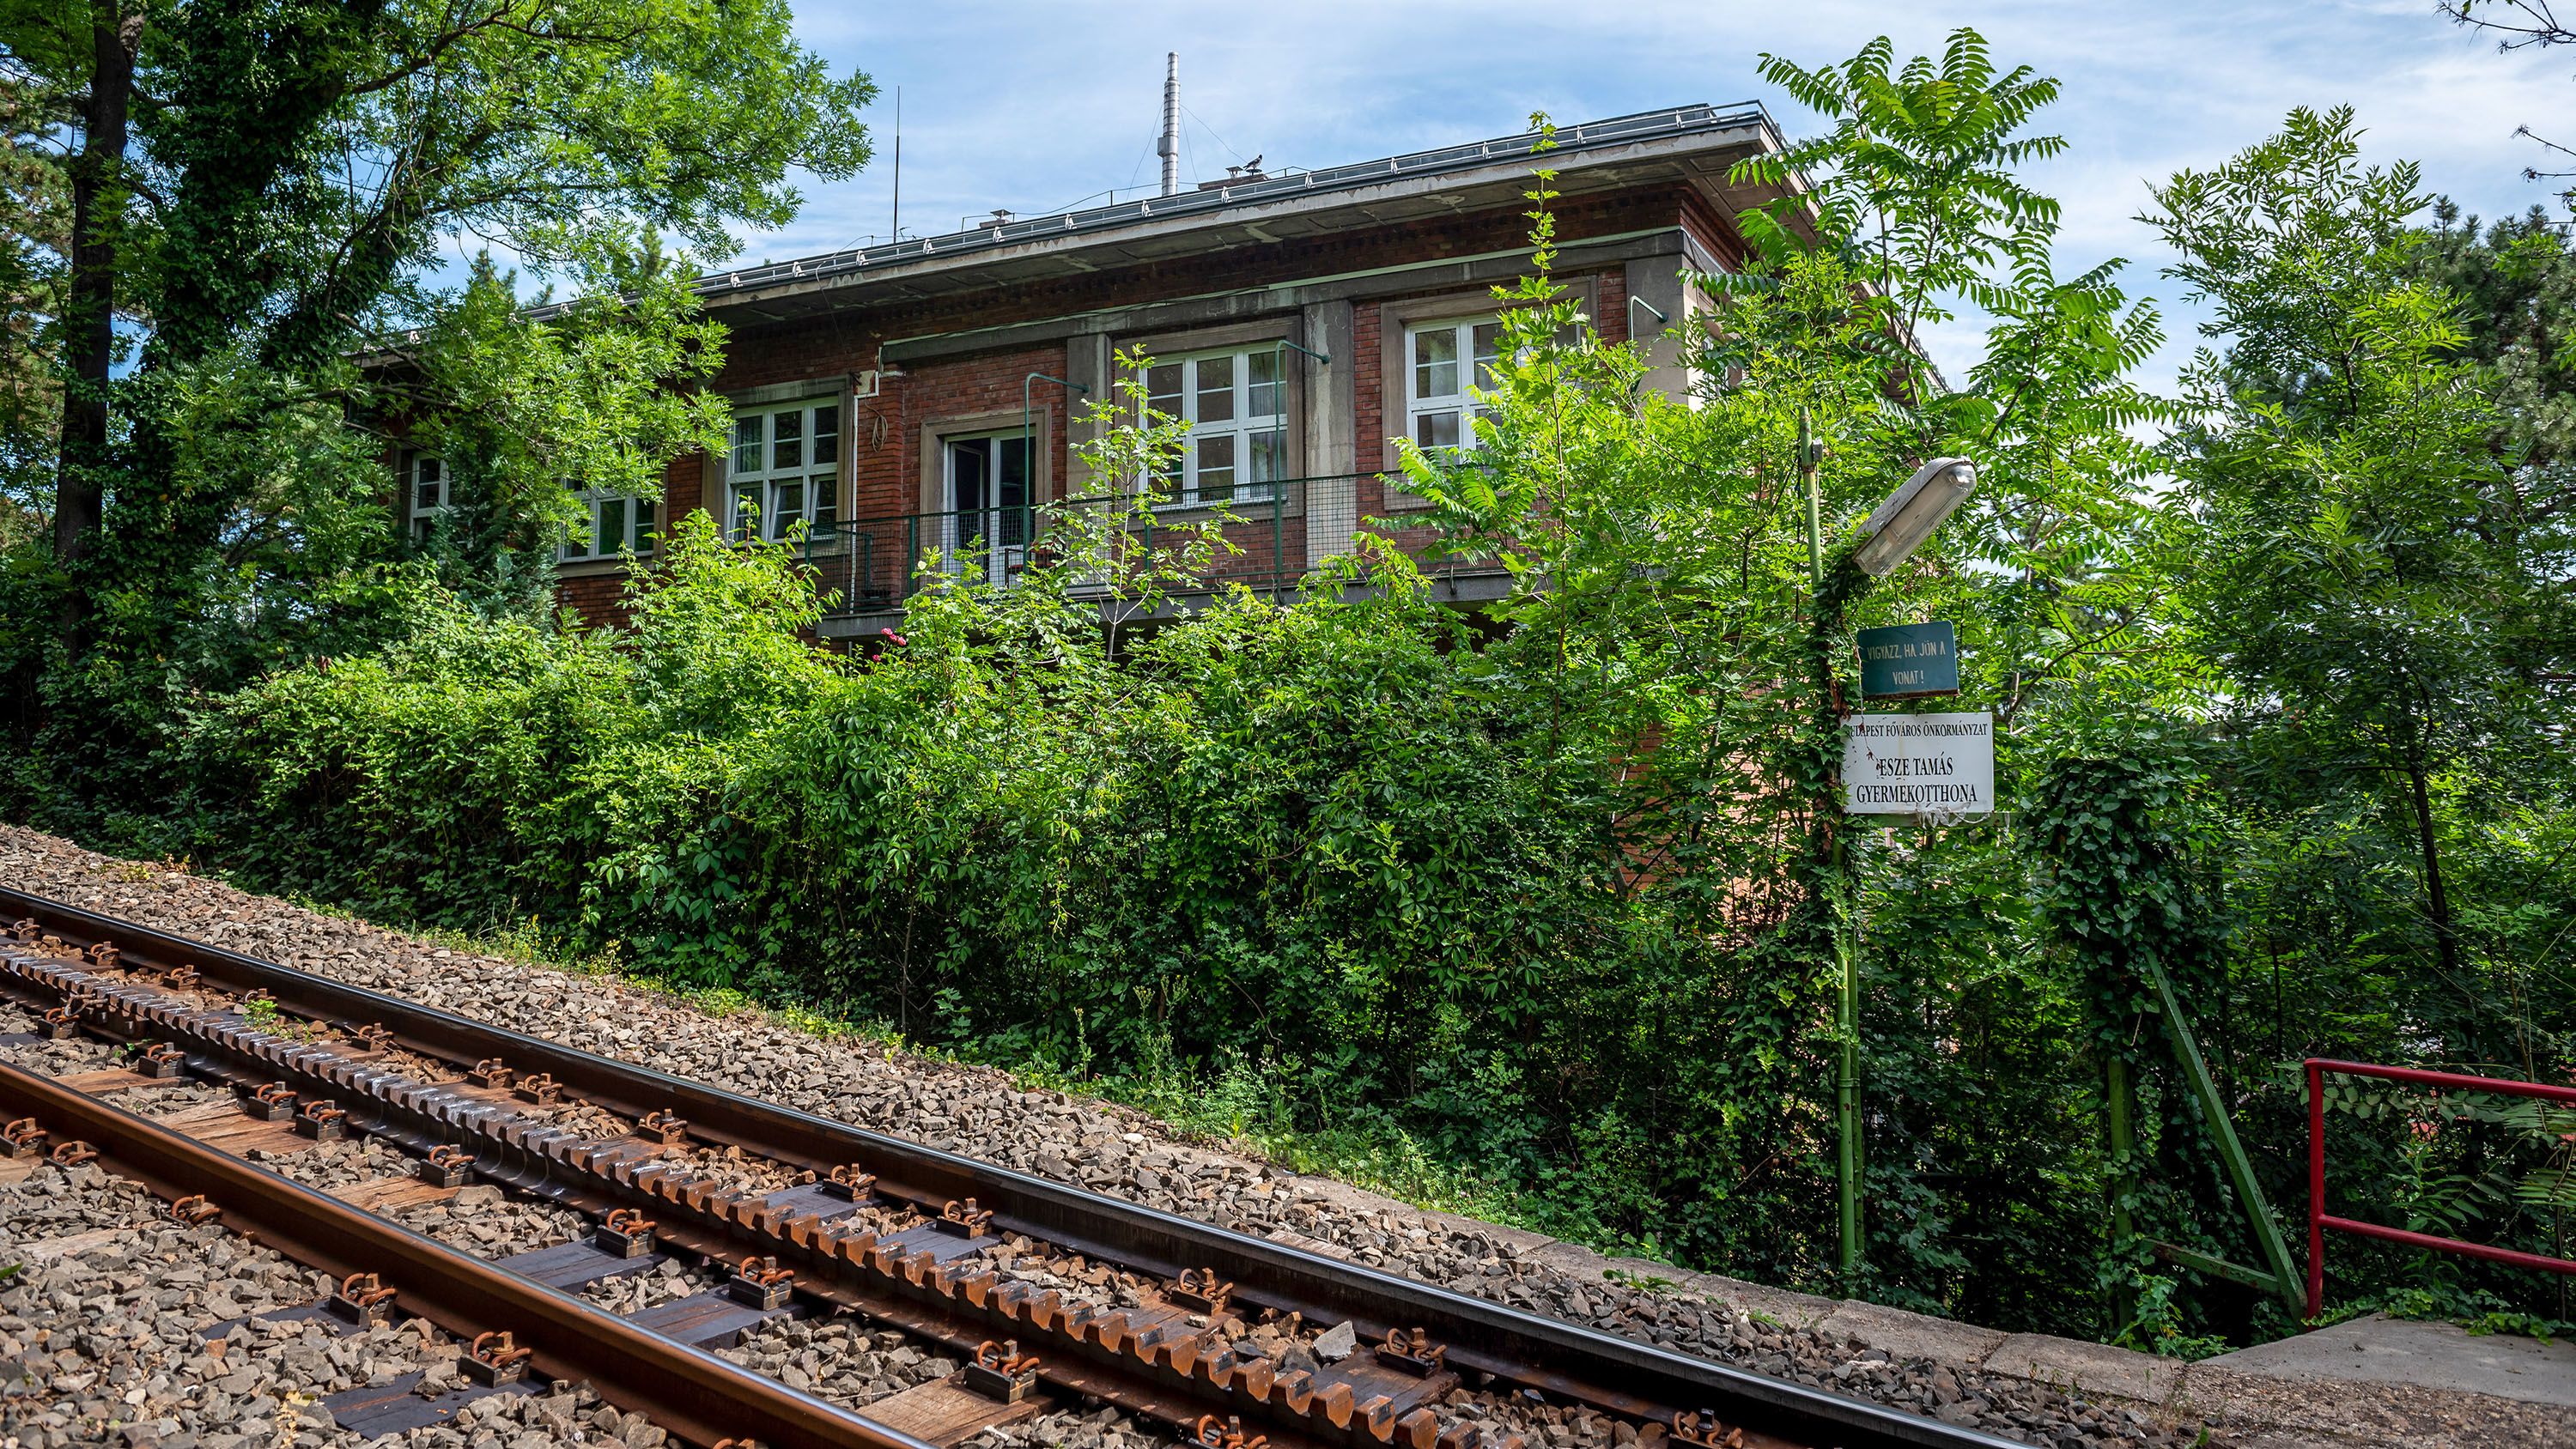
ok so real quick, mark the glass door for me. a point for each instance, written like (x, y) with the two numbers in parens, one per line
(988, 517)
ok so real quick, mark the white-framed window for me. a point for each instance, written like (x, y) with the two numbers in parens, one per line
(617, 523)
(786, 468)
(427, 495)
(1442, 360)
(1236, 405)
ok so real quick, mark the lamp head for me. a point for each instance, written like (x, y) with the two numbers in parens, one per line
(1896, 528)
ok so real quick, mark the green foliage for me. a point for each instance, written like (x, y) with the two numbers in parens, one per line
(273, 232)
(602, 392)
(1538, 910)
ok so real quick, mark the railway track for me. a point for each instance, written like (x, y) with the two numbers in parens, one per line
(1050, 1295)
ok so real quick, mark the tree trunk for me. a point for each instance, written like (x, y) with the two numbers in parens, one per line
(2446, 944)
(90, 310)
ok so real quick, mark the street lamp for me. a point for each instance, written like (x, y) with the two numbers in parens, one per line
(1896, 528)
(1888, 537)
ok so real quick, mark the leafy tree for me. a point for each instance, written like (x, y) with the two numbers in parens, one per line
(2357, 561)
(2515, 282)
(34, 229)
(291, 173)
(600, 390)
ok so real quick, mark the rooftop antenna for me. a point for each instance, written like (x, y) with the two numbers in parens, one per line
(894, 227)
(1169, 147)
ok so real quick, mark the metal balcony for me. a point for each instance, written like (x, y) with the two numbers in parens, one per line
(1274, 534)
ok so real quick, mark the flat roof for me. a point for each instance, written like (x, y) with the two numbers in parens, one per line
(1694, 143)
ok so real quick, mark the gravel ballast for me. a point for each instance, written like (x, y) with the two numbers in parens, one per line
(1922, 1365)
(103, 1340)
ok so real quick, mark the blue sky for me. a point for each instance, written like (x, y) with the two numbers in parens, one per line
(1033, 107)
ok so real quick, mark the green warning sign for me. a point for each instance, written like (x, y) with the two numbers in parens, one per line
(1909, 661)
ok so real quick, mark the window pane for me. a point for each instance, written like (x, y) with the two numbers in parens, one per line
(787, 507)
(1163, 388)
(612, 525)
(1261, 393)
(746, 444)
(827, 498)
(1011, 471)
(425, 497)
(1216, 389)
(787, 440)
(1489, 339)
(1269, 458)
(1216, 469)
(1436, 430)
(647, 518)
(827, 434)
(746, 509)
(1435, 363)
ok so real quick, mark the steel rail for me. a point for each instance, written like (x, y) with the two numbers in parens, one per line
(1564, 1361)
(691, 1393)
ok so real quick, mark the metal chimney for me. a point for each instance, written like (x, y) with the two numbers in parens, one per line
(1169, 147)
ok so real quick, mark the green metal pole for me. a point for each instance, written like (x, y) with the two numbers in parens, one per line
(1808, 459)
(2287, 1280)
(1847, 1165)
(2122, 1104)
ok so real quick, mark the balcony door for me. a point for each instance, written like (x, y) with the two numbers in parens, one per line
(988, 504)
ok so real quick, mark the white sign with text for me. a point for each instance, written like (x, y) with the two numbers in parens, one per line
(1917, 764)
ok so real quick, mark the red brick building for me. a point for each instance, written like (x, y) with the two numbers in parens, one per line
(924, 393)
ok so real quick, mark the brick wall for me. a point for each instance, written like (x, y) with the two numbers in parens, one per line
(885, 433)
(887, 441)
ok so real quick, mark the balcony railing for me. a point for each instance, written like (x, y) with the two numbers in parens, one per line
(1274, 533)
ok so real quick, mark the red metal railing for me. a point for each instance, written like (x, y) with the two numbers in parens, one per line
(2319, 1220)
